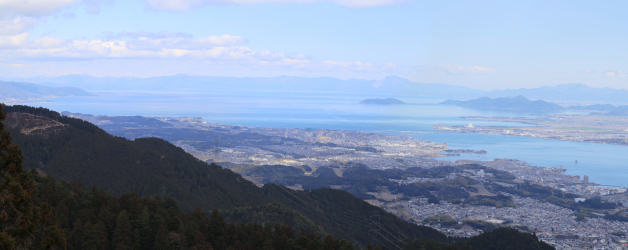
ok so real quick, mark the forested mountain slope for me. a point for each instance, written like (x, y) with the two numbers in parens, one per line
(77, 151)
(38, 212)
(74, 150)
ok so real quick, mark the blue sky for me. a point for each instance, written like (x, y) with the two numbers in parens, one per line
(480, 44)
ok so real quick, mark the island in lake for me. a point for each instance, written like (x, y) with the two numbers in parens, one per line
(382, 101)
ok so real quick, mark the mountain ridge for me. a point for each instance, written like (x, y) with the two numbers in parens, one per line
(571, 93)
(13, 91)
(83, 153)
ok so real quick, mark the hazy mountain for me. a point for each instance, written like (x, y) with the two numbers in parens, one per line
(521, 104)
(604, 109)
(21, 91)
(382, 101)
(621, 110)
(572, 93)
(518, 104)
(594, 107)
(389, 86)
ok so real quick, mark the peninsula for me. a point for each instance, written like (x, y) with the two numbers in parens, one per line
(517, 104)
(581, 128)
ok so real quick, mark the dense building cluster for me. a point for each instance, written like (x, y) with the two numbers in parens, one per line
(556, 225)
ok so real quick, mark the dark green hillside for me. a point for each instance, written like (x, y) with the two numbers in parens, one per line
(38, 212)
(93, 219)
(337, 213)
(499, 239)
(23, 223)
(505, 239)
(73, 150)
(338, 210)
(76, 151)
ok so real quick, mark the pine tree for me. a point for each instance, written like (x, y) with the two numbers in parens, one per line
(16, 204)
(122, 235)
(77, 235)
(145, 239)
(161, 239)
(90, 238)
(48, 235)
(22, 224)
(216, 233)
(95, 236)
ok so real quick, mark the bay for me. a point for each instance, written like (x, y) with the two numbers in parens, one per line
(604, 164)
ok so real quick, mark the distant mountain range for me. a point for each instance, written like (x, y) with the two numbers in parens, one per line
(382, 101)
(21, 91)
(387, 87)
(390, 86)
(568, 93)
(522, 105)
(605, 109)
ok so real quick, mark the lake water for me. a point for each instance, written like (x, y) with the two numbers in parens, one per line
(604, 164)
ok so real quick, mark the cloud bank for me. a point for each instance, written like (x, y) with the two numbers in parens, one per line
(146, 46)
(33, 8)
(145, 53)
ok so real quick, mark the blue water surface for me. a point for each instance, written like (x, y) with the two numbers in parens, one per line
(604, 164)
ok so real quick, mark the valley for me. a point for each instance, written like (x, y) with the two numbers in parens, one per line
(402, 175)
(313, 148)
(313, 125)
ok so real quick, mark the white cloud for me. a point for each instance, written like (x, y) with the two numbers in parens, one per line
(615, 74)
(222, 40)
(481, 69)
(182, 5)
(16, 25)
(176, 5)
(93, 6)
(174, 54)
(210, 48)
(13, 41)
(33, 8)
(18, 16)
(184, 41)
(183, 53)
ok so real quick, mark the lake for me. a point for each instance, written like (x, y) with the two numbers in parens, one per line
(604, 164)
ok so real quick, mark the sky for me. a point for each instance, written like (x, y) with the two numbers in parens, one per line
(478, 44)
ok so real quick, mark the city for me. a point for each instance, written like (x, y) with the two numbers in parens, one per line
(310, 150)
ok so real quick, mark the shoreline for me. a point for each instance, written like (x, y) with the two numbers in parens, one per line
(609, 130)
